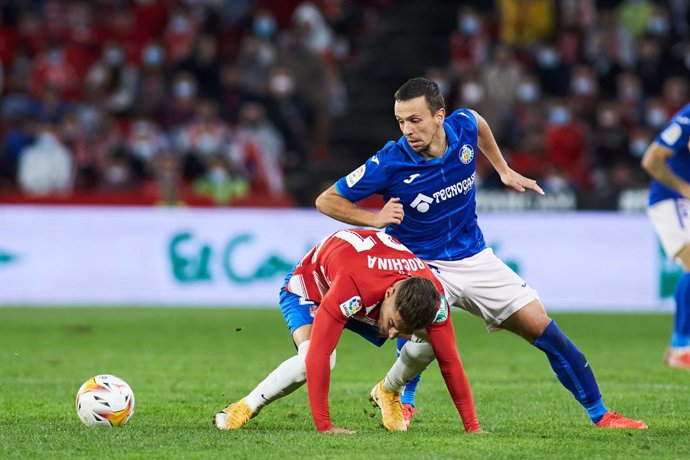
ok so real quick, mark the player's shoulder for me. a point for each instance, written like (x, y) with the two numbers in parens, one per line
(682, 117)
(677, 129)
(392, 151)
(462, 117)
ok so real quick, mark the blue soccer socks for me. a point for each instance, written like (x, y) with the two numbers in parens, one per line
(407, 395)
(572, 369)
(681, 325)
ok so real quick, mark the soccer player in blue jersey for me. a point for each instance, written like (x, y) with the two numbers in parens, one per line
(427, 179)
(667, 160)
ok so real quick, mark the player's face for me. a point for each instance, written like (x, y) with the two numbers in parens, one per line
(417, 123)
(390, 324)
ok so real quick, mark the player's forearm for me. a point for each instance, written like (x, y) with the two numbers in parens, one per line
(324, 337)
(335, 206)
(654, 163)
(459, 388)
(487, 144)
(445, 348)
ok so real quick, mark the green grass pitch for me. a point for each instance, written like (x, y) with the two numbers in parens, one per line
(186, 364)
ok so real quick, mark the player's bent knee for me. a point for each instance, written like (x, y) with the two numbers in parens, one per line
(417, 352)
(302, 353)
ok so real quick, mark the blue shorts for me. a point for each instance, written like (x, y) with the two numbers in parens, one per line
(297, 312)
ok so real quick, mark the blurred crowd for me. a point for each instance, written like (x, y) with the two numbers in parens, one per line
(221, 99)
(169, 97)
(575, 90)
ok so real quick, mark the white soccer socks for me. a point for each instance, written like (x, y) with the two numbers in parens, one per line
(286, 378)
(414, 358)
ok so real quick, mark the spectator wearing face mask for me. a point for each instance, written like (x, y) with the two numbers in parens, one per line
(52, 68)
(499, 78)
(656, 114)
(145, 141)
(151, 91)
(255, 58)
(179, 35)
(527, 115)
(552, 72)
(127, 30)
(638, 140)
(288, 112)
(469, 43)
(118, 174)
(221, 183)
(584, 92)
(265, 33)
(566, 144)
(609, 138)
(629, 96)
(203, 137)
(181, 106)
(113, 80)
(83, 35)
(204, 64)
(256, 128)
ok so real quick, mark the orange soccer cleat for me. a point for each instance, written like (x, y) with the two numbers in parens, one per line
(408, 412)
(615, 420)
(678, 358)
(234, 416)
(391, 409)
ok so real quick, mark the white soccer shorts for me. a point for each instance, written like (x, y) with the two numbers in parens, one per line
(672, 224)
(484, 286)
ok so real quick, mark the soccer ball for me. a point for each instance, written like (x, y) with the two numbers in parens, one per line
(105, 400)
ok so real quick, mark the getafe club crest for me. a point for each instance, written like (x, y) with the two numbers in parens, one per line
(466, 154)
(351, 306)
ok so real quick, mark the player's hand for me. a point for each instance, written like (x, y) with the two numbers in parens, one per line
(336, 430)
(391, 213)
(518, 182)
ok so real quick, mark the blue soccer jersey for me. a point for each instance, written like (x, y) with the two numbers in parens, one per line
(438, 194)
(676, 137)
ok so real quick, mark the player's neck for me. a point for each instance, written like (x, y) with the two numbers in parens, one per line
(438, 145)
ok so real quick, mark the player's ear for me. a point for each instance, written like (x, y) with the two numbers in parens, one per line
(440, 115)
(390, 291)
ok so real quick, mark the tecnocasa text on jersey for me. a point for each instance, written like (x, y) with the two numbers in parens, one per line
(463, 187)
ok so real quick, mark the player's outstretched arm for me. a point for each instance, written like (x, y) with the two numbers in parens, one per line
(487, 144)
(325, 334)
(654, 162)
(333, 205)
(442, 340)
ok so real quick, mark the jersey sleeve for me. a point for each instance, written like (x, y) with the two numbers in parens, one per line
(460, 115)
(675, 135)
(442, 340)
(328, 325)
(369, 179)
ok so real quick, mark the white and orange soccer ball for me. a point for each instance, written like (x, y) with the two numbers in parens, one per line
(105, 400)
